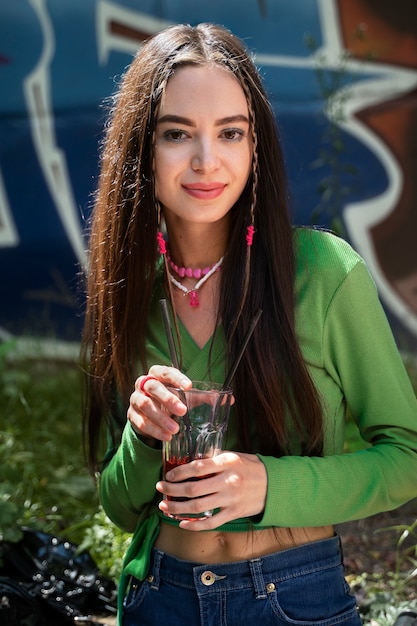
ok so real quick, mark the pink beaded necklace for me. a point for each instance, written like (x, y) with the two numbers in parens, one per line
(202, 274)
(188, 271)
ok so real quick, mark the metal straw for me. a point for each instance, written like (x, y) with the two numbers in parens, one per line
(175, 363)
(245, 342)
(169, 333)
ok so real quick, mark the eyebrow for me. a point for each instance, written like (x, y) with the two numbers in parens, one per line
(177, 119)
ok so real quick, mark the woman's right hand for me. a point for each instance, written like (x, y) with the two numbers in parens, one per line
(151, 403)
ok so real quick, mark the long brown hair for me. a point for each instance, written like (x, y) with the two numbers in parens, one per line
(272, 387)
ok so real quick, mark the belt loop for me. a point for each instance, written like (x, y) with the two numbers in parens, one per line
(257, 578)
(153, 578)
(342, 556)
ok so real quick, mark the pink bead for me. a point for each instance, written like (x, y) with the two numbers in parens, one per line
(189, 272)
(197, 273)
(194, 301)
(206, 270)
(180, 271)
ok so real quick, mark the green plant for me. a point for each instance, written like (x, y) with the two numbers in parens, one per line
(10, 514)
(45, 483)
(106, 543)
(382, 596)
(377, 598)
(405, 571)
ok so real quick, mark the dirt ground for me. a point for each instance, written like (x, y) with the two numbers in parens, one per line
(369, 545)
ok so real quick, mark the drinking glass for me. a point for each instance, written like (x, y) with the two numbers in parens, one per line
(201, 431)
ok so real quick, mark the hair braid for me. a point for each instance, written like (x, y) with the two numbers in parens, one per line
(253, 200)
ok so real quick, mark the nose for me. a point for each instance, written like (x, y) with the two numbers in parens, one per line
(205, 157)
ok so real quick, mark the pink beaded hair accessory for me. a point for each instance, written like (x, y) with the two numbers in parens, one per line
(162, 246)
(249, 234)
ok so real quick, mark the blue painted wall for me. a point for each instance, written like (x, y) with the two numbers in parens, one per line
(60, 59)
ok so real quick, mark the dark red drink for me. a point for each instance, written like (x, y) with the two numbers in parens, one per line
(175, 461)
(170, 464)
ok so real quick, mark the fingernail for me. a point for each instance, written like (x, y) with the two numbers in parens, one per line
(184, 383)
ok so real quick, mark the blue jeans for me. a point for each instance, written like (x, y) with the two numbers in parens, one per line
(300, 586)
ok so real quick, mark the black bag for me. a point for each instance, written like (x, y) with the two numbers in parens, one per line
(49, 572)
(17, 605)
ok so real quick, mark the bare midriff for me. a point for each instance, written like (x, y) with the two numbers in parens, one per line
(221, 547)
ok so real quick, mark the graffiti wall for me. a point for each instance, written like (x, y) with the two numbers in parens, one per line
(342, 76)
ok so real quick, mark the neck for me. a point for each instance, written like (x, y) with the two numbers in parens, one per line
(196, 245)
(197, 249)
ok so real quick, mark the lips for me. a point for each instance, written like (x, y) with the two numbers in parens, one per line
(204, 191)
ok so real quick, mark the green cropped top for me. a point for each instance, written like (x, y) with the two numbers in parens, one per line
(353, 359)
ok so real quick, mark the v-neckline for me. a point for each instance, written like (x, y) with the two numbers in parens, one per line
(184, 331)
(195, 358)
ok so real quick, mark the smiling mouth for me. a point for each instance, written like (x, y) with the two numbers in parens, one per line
(205, 190)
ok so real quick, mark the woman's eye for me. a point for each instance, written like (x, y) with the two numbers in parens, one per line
(175, 135)
(233, 134)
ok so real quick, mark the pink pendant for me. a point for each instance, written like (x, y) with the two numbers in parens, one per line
(194, 301)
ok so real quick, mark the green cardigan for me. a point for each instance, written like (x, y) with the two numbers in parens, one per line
(352, 357)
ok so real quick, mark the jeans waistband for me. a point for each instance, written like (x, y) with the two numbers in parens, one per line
(280, 565)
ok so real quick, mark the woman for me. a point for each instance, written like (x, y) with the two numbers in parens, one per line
(192, 206)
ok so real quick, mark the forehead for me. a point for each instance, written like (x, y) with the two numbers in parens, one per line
(203, 88)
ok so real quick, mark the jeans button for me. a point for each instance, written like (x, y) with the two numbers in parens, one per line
(208, 578)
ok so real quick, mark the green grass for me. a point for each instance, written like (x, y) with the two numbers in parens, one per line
(40, 444)
(45, 484)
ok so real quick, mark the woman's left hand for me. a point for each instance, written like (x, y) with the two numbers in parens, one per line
(235, 483)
